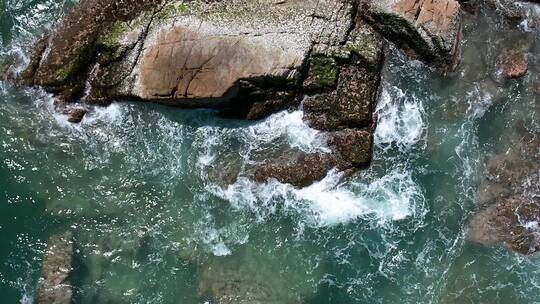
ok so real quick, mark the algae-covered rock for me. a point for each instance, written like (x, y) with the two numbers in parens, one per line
(322, 75)
(70, 49)
(349, 106)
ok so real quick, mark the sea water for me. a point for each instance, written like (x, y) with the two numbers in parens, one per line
(157, 218)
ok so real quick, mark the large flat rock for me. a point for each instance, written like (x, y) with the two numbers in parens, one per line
(206, 51)
(196, 53)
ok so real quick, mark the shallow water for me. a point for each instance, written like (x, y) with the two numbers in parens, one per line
(142, 188)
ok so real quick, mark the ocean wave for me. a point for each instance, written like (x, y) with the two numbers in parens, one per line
(400, 119)
(392, 197)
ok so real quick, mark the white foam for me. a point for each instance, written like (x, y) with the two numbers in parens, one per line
(401, 119)
(290, 125)
(479, 101)
(27, 299)
(18, 57)
(394, 196)
(109, 114)
(282, 130)
(532, 225)
(532, 12)
(213, 239)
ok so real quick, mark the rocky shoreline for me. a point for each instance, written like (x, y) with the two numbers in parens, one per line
(249, 59)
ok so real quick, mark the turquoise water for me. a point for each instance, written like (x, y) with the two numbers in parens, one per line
(143, 189)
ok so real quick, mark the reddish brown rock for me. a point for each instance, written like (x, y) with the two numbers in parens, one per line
(301, 172)
(351, 150)
(431, 29)
(513, 64)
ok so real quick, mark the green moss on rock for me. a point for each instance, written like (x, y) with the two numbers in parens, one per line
(173, 10)
(63, 74)
(112, 38)
(323, 73)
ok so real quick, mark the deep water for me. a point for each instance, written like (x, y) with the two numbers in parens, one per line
(143, 188)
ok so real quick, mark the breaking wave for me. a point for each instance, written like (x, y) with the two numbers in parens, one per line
(400, 119)
(329, 202)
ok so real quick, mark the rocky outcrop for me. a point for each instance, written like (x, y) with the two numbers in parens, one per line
(191, 53)
(227, 53)
(508, 198)
(513, 64)
(429, 29)
(247, 58)
(54, 285)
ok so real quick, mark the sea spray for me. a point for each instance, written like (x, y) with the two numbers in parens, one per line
(400, 119)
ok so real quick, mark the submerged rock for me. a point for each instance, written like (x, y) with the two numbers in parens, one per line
(513, 221)
(513, 64)
(511, 209)
(107, 265)
(54, 285)
(251, 278)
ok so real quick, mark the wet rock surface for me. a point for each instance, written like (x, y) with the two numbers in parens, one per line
(300, 172)
(75, 115)
(247, 58)
(54, 285)
(428, 29)
(511, 207)
(513, 64)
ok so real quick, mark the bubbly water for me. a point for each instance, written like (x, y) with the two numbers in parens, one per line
(151, 195)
